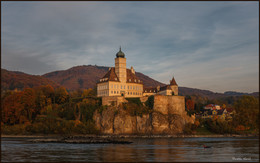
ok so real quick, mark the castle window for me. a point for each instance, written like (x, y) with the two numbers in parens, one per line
(127, 87)
(129, 79)
(115, 78)
(133, 87)
(111, 92)
(114, 92)
(130, 93)
(135, 80)
(117, 92)
(111, 86)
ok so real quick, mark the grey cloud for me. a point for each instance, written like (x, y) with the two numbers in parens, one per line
(180, 38)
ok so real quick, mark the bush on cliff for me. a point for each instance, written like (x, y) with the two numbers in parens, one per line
(135, 110)
(150, 102)
(136, 101)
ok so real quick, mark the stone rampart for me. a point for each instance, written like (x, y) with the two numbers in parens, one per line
(168, 117)
(169, 104)
(113, 100)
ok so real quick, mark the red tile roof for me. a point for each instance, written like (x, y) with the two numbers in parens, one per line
(110, 76)
(167, 87)
(132, 78)
(173, 82)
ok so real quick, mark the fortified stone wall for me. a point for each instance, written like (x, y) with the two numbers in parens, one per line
(169, 104)
(113, 100)
(168, 117)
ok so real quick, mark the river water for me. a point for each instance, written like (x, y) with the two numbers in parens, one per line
(141, 150)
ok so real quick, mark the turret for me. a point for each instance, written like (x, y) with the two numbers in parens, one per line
(174, 86)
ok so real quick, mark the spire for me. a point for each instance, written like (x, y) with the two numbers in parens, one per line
(120, 48)
(173, 82)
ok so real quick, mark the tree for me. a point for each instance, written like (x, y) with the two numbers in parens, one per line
(28, 99)
(247, 111)
(61, 95)
(11, 109)
(189, 104)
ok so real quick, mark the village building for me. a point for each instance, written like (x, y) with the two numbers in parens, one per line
(212, 107)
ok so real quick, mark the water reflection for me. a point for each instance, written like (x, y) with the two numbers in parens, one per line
(141, 150)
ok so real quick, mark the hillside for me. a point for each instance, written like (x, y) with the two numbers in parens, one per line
(83, 77)
(15, 79)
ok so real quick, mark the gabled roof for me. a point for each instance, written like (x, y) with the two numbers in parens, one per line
(110, 76)
(173, 82)
(166, 87)
(132, 78)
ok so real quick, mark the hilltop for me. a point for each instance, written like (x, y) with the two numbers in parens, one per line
(11, 80)
(86, 76)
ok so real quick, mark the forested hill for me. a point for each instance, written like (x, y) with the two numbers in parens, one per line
(11, 80)
(80, 77)
(86, 76)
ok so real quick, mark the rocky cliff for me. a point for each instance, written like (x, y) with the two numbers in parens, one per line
(168, 117)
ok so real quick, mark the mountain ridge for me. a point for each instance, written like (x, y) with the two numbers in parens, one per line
(86, 76)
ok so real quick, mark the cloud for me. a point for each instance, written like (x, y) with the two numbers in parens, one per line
(208, 45)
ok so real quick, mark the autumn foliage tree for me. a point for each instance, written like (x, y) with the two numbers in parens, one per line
(189, 104)
(247, 112)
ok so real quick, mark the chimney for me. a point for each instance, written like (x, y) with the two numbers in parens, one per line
(132, 70)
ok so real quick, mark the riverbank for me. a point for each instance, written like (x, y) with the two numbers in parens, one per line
(130, 136)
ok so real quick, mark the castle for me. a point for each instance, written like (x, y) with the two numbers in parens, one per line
(120, 81)
(118, 84)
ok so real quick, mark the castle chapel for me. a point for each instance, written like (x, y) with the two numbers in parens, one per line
(120, 81)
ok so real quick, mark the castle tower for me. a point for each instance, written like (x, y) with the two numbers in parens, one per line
(120, 66)
(174, 86)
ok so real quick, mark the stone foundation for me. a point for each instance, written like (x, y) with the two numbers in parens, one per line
(168, 117)
(113, 100)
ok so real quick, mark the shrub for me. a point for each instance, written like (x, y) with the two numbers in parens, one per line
(136, 101)
(150, 102)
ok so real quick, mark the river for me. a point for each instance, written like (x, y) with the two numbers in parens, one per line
(141, 150)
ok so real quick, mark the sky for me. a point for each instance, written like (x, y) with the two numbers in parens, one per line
(206, 45)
